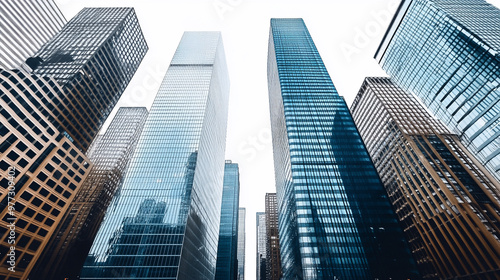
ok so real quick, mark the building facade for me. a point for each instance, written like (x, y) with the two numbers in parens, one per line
(447, 53)
(335, 220)
(241, 243)
(164, 224)
(273, 256)
(260, 262)
(111, 154)
(26, 26)
(93, 58)
(42, 170)
(227, 260)
(446, 200)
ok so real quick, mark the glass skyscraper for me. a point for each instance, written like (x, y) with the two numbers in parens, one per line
(335, 219)
(260, 247)
(448, 204)
(26, 26)
(227, 262)
(241, 243)
(92, 58)
(111, 154)
(164, 223)
(447, 53)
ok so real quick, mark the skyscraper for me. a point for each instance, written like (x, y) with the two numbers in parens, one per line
(111, 154)
(447, 202)
(335, 220)
(75, 82)
(42, 170)
(164, 224)
(92, 58)
(241, 243)
(26, 26)
(260, 263)
(447, 53)
(227, 261)
(273, 256)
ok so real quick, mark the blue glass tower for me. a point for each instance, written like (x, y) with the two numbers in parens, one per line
(335, 220)
(164, 223)
(227, 262)
(447, 53)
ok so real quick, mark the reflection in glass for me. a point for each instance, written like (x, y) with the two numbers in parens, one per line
(164, 224)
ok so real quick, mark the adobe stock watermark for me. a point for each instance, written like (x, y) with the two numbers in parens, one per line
(148, 85)
(372, 30)
(255, 144)
(223, 6)
(11, 201)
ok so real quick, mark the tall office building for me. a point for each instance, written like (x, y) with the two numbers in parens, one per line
(41, 173)
(241, 243)
(164, 224)
(44, 112)
(26, 26)
(260, 264)
(447, 53)
(335, 220)
(93, 58)
(111, 154)
(447, 202)
(227, 262)
(273, 256)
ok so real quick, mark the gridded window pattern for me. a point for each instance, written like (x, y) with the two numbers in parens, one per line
(227, 261)
(49, 170)
(164, 222)
(447, 203)
(335, 220)
(26, 26)
(261, 245)
(93, 58)
(111, 154)
(241, 243)
(447, 53)
(273, 261)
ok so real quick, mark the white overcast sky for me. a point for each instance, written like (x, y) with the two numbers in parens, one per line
(346, 34)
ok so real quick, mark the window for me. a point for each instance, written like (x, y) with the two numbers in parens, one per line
(36, 201)
(21, 146)
(13, 156)
(42, 176)
(34, 186)
(34, 245)
(39, 217)
(22, 162)
(26, 196)
(29, 212)
(30, 154)
(42, 232)
(44, 192)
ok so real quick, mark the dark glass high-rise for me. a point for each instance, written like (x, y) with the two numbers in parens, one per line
(227, 261)
(335, 220)
(273, 256)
